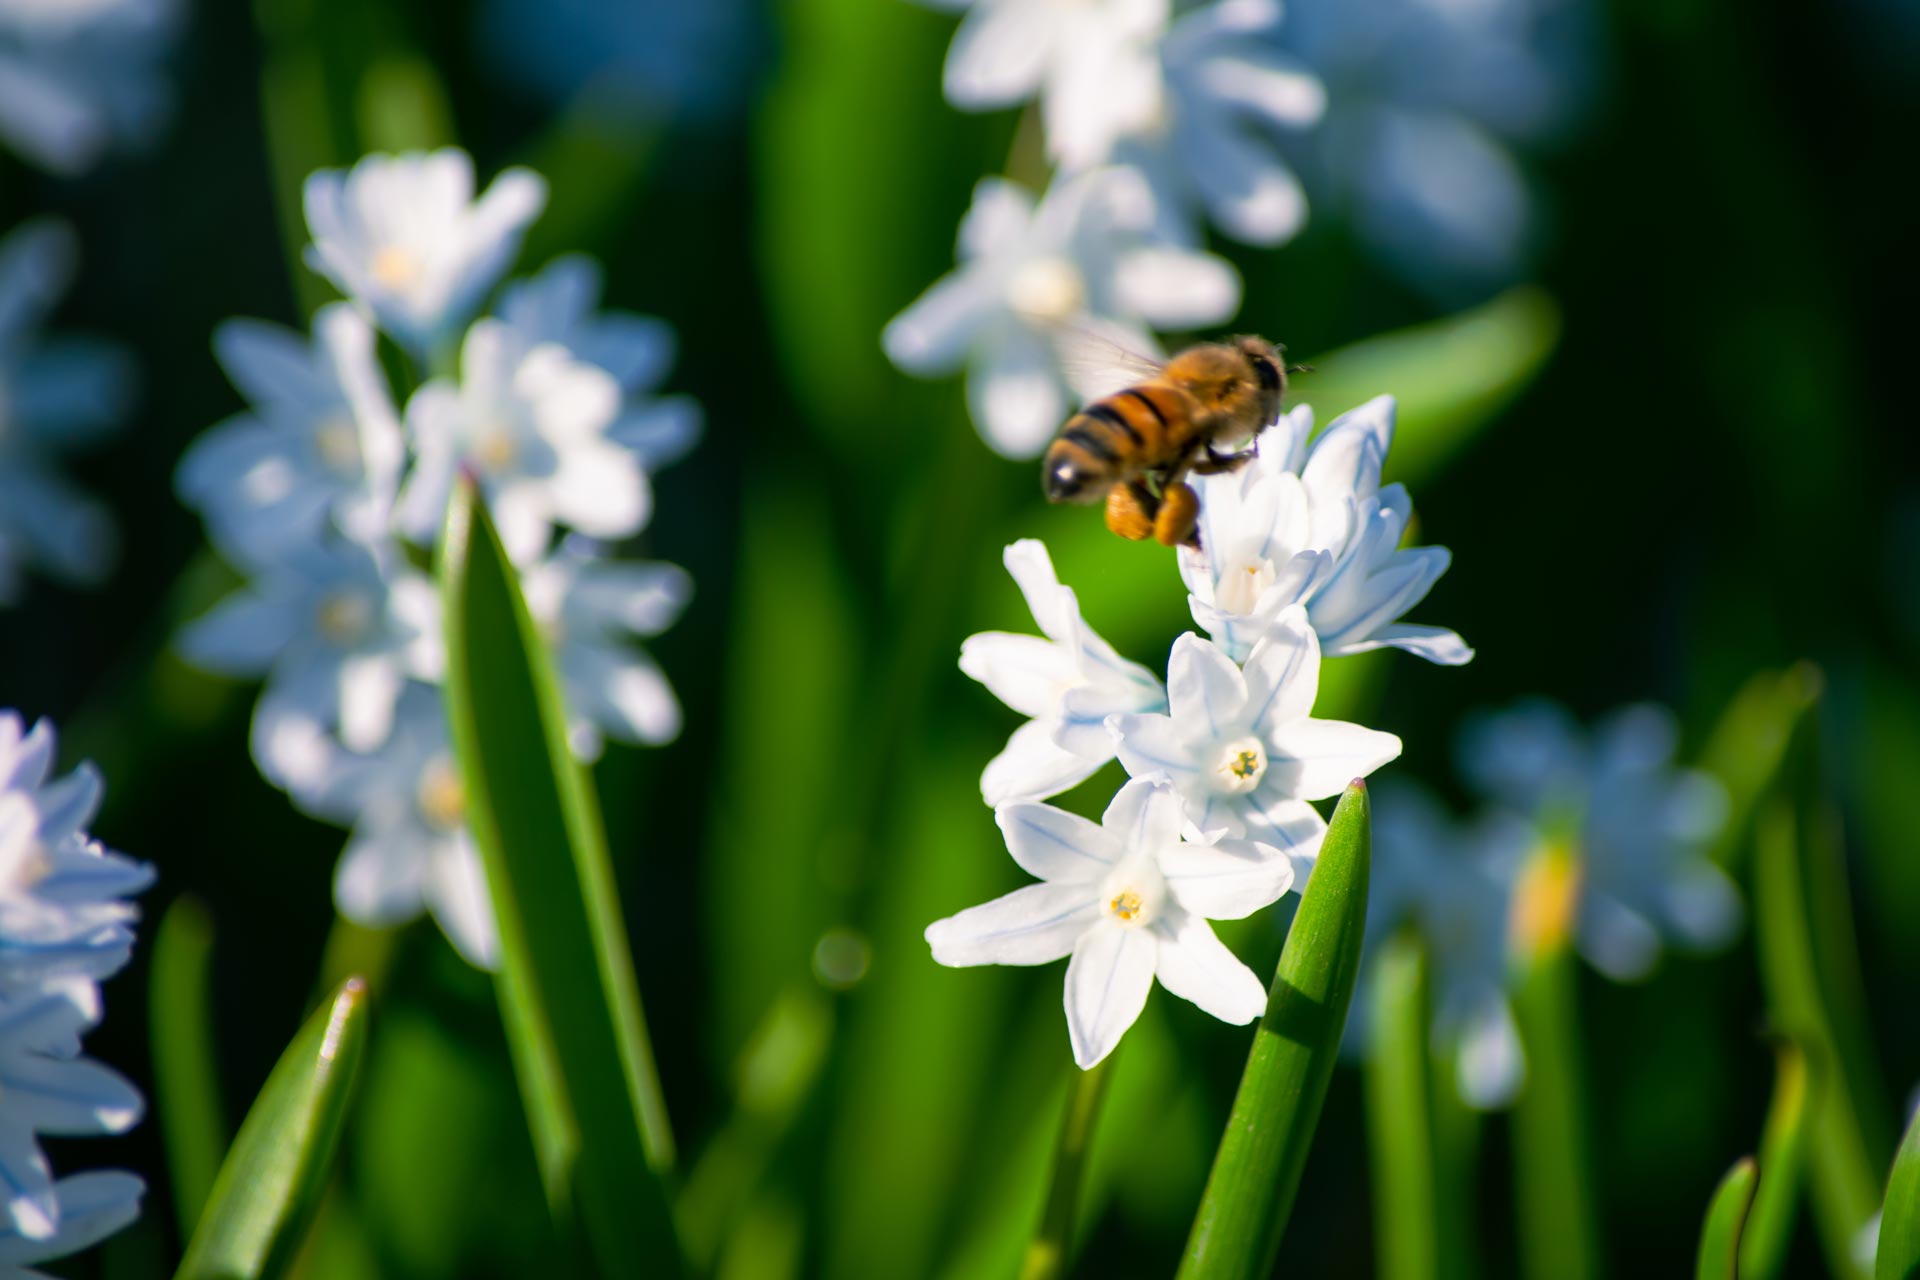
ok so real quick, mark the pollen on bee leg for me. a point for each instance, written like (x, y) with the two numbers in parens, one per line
(1130, 511)
(1178, 519)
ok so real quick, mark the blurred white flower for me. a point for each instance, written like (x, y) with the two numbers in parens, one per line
(559, 305)
(1086, 256)
(590, 609)
(1007, 51)
(1313, 526)
(63, 908)
(78, 75)
(1242, 748)
(64, 924)
(56, 393)
(532, 424)
(1068, 683)
(88, 1206)
(1640, 826)
(1129, 900)
(411, 849)
(337, 628)
(404, 237)
(323, 440)
(1425, 101)
(1453, 886)
(1226, 96)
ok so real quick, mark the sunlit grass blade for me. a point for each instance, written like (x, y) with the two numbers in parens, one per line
(1052, 1244)
(568, 991)
(1783, 1158)
(1749, 743)
(1400, 1115)
(274, 1174)
(1256, 1171)
(186, 1081)
(401, 105)
(1842, 1174)
(1719, 1254)
(1451, 376)
(1898, 1255)
(1553, 1178)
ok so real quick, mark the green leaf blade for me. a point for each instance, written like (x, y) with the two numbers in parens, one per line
(1257, 1168)
(567, 987)
(272, 1179)
(185, 1076)
(1726, 1213)
(1783, 1158)
(1399, 1116)
(1898, 1254)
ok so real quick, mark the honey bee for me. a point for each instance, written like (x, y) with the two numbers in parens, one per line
(1136, 446)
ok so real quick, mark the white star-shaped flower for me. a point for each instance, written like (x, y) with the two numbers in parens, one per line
(405, 238)
(1640, 825)
(411, 849)
(560, 305)
(532, 424)
(337, 627)
(1129, 900)
(1069, 682)
(323, 441)
(1087, 256)
(1312, 525)
(590, 610)
(1242, 748)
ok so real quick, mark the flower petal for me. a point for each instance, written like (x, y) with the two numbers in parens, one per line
(1014, 394)
(1195, 965)
(1229, 880)
(1107, 984)
(1031, 925)
(1492, 1062)
(1145, 817)
(1150, 745)
(1205, 688)
(1174, 288)
(1033, 767)
(1025, 672)
(1283, 672)
(1055, 845)
(1314, 759)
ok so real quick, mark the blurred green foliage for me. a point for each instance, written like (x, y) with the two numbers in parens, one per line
(1677, 461)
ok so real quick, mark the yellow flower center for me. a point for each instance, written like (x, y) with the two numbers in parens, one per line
(1050, 289)
(1546, 901)
(1241, 586)
(443, 801)
(1240, 766)
(1126, 904)
(338, 444)
(494, 449)
(344, 618)
(396, 268)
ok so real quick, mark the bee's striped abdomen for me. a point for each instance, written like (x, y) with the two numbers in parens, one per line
(1118, 438)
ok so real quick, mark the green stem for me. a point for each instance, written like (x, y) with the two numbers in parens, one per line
(1400, 1117)
(185, 1070)
(1559, 1236)
(1053, 1244)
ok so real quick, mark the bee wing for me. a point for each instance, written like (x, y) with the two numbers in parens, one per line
(1099, 359)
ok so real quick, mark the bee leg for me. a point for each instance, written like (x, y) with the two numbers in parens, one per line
(1131, 509)
(1217, 463)
(1178, 519)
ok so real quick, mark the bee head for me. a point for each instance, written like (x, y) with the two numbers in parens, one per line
(1067, 480)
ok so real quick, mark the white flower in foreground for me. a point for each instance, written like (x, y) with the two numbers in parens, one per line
(1313, 526)
(404, 237)
(533, 426)
(410, 849)
(1086, 256)
(89, 1206)
(1069, 682)
(337, 628)
(1453, 885)
(1007, 51)
(75, 77)
(56, 393)
(559, 305)
(1640, 827)
(1129, 900)
(1226, 94)
(1242, 747)
(323, 440)
(590, 609)
(63, 908)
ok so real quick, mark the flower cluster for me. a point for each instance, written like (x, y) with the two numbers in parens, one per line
(1299, 559)
(56, 393)
(76, 78)
(65, 925)
(328, 497)
(1590, 839)
(1158, 126)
